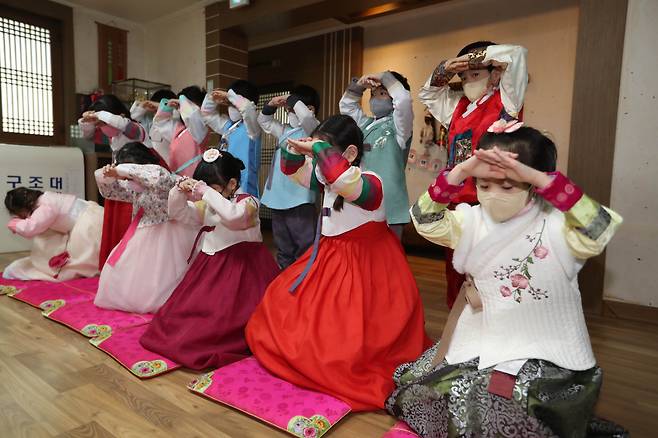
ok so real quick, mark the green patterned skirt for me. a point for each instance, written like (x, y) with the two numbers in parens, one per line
(453, 401)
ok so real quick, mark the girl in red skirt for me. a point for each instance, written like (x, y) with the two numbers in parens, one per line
(202, 324)
(341, 318)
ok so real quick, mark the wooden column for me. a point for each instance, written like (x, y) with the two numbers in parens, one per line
(226, 51)
(601, 28)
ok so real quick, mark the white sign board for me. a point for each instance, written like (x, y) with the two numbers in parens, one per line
(55, 169)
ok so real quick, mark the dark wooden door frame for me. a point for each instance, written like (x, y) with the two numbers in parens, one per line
(601, 29)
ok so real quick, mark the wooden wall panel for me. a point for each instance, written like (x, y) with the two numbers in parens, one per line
(601, 28)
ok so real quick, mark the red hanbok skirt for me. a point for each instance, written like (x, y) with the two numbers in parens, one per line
(116, 219)
(355, 317)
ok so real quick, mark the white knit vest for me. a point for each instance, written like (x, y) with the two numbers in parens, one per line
(531, 306)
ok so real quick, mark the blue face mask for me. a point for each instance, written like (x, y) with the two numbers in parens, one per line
(381, 107)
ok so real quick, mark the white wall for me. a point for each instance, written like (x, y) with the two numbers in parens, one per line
(85, 36)
(176, 49)
(413, 43)
(632, 257)
(169, 50)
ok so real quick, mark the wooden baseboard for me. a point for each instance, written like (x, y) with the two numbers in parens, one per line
(636, 312)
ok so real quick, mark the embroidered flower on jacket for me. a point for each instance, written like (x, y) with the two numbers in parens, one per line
(519, 281)
(540, 252)
(518, 273)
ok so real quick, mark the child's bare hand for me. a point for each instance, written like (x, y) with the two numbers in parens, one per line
(173, 103)
(477, 168)
(279, 101)
(110, 171)
(302, 146)
(89, 117)
(186, 184)
(457, 65)
(220, 97)
(150, 106)
(516, 170)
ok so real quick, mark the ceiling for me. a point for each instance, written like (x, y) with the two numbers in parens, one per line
(140, 11)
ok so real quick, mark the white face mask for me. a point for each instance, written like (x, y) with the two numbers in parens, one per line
(234, 114)
(476, 89)
(293, 120)
(503, 206)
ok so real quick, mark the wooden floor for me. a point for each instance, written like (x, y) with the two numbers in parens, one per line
(54, 384)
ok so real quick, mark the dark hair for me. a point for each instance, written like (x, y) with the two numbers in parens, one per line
(193, 93)
(245, 89)
(308, 95)
(136, 153)
(534, 148)
(401, 79)
(220, 171)
(475, 46)
(341, 131)
(163, 93)
(21, 200)
(111, 104)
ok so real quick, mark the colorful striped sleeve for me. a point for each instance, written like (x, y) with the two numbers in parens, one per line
(589, 225)
(361, 189)
(300, 169)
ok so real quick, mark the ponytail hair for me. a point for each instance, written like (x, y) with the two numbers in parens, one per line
(341, 131)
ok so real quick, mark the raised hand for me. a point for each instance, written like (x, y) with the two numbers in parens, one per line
(173, 103)
(302, 146)
(110, 171)
(220, 97)
(516, 170)
(279, 101)
(457, 65)
(477, 168)
(89, 117)
(186, 184)
(150, 106)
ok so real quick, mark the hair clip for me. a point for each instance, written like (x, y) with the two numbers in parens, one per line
(503, 126)
(211, 155)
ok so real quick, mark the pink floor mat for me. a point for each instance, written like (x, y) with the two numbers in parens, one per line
(91, 321)
(44, 294)
(248, 387)
(124, 347)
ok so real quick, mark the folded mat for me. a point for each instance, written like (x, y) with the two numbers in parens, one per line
(245, 385)
(124, 347)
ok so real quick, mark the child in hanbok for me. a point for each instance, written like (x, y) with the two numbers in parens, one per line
(65, 233)
(292, 206)
(387, 137)
(111, 117)
(343, 316)
(241, 134)
(494, 78)
(187, 136)
(515, 357)
(143, 112)
(148, 263)
(202, 324)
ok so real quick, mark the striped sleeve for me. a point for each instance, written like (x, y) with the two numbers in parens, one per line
(589, 225)
(361, 189)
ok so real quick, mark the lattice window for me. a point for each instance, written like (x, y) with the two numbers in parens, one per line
(268, 146)
(26, 79)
